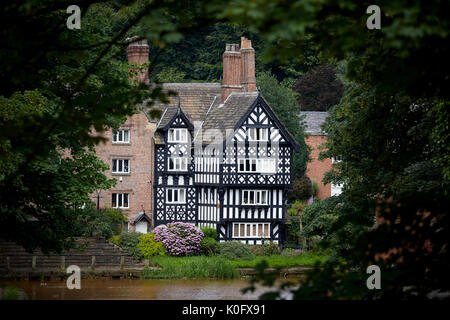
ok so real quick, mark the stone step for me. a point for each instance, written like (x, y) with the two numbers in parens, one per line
(107, 255)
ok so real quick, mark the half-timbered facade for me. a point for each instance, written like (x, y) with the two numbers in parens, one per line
(222, 157)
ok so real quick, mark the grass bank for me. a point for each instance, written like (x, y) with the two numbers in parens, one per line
(217, 267)
(191, 267)
(275, 261)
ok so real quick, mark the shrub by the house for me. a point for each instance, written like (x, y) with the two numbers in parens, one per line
(267, 249)
(234, 250)
(128, 242)
(209, 242)
(149, 247)
(179, 238)
(209, 245)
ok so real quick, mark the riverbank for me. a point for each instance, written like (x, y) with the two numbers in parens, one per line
(167, 267)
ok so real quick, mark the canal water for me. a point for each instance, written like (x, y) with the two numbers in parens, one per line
(138, 289)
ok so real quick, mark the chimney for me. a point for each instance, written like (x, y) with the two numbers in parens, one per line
(232, 72)
(248, 65)
(137, 52)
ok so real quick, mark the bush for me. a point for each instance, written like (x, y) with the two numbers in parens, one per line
(114, 239)
(128, 242)
(268, 249)
(179, 238)
(149, 247)
(91, 222)
(209, 232)
(302, 189)
(209, 245)
(234, 250)
(315, 188)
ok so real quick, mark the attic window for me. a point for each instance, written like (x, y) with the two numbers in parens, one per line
(178, 135)
(258, 134)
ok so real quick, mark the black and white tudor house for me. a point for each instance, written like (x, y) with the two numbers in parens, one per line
(222, 157)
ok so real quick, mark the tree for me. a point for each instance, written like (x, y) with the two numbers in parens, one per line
(59, 85)
(282, 99)
(319, 89)
(302, 189)
(385, 128)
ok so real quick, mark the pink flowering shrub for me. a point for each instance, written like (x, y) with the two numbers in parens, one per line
(179, 238)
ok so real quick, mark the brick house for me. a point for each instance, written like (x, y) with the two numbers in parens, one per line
(129, 153)
(240, 188)
(316, 168)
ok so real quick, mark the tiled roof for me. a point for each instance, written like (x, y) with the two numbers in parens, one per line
(141, 216)
(225, 116)
(201, 102)
(195, 99)
(314, 121)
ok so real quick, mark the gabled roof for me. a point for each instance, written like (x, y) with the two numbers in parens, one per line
(170, 114)
(314, 121)
(194, 98)
(201, 102)
(141, 216)
(225, 116)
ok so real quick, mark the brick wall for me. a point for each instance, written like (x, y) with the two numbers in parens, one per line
(138, 183)
(316, 168)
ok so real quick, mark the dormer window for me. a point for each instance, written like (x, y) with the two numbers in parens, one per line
(178, 135)
(258, 134)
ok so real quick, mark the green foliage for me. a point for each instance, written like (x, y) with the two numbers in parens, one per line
(114, 239)
(293, 230)
(58, 88)
(393, 166)
(276, 261)
(91, 222)
(282, 99)
(128, 241)
(9, 293)
(191, 267)
(234, 250)
(319, 218)
(149, 247)
(315, 187)
(319, 89)
(302, 189)
(198, 56)
(208, 245)
(209, 232)
(170, 74)
(267, 249)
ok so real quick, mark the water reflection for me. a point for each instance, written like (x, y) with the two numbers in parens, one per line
(136, 289)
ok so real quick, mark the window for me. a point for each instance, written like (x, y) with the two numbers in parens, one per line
(176, 195)
(120, 200)
(258, 134)
(251, 230)
(178, 135)
(336, 160)
(255, 197)
(178, 164)
(266, 165)
(336, 189)
(257, 165)
(121, 136)
(121, 166)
